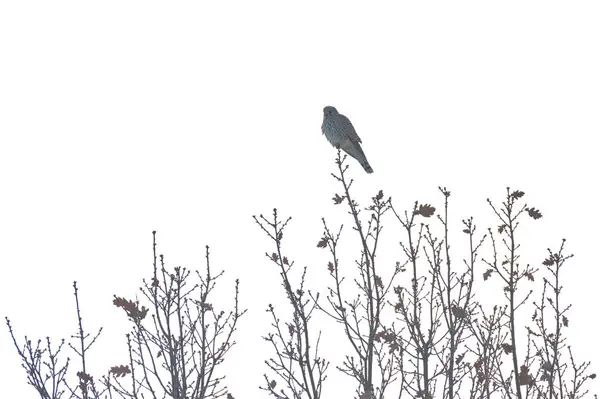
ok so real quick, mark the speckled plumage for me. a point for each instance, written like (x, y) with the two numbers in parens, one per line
(339, 131)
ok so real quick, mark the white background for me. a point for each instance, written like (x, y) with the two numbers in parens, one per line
(119, 118)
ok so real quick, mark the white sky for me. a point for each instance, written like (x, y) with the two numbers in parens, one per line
(119, 118)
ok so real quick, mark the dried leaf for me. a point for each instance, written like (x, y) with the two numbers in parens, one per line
(458, 312)
(524, 377)
(534, 213)
(501, 228)
(330, 267)
(548, 262)
(378, 282)
(425, 210)
(386, 336)
(323, 243)
(507, 348)
(487, 274)
(285, 261)
(565, 321)
(337, 199)
(84, 377)
(379, 195)
(517, 194)
(120, 371)
(131, 308)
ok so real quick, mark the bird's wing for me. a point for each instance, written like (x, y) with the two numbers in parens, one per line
(346, 126)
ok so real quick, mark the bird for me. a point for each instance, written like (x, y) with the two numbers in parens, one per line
(341, 134)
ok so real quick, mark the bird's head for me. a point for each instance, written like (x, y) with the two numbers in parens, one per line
(329, 110)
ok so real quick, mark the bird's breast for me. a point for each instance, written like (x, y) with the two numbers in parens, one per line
(332, 134)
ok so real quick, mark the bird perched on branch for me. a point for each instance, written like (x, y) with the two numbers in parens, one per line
(341, 134)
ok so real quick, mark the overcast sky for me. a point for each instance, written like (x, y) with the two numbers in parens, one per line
(122, 117)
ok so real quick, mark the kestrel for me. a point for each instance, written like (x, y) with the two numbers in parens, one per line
(341, 134)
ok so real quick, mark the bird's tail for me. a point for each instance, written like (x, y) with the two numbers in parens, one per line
(366, 166)
(362, 159)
